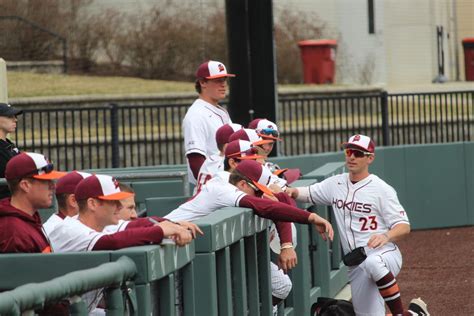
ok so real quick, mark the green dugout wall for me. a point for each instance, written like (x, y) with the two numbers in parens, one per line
(434, 182)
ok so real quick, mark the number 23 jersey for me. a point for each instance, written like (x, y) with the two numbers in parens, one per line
(367, 207)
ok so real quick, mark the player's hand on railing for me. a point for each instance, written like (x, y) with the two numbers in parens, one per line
(181, 235)
(322, 226)
(287, 259)
(193, 228)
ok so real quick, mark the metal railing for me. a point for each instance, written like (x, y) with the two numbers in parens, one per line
(124, 136)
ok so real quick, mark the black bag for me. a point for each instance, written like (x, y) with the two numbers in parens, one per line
(326, 306)
(355, 257)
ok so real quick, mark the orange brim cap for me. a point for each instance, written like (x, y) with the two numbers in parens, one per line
(262, 142)
(262, 188)
(116, 196)
(252, 157)
(279, 171)
(50, 175)
(220, 76)
(264, 136)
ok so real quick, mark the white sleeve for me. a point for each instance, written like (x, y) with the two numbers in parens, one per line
(195, 135)
(320, 193)
(68, 238)
(392, 211)
(228, 195)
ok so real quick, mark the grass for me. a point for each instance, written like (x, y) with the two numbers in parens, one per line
(24, 84)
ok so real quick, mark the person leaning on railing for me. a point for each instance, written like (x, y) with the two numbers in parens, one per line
(8, 149)
(98, 197)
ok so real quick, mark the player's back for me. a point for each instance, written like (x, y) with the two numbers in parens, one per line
(214, 195)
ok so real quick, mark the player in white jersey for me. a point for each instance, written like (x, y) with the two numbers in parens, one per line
(370, 219)
(98, 197)
(67, 204)
(247, 181)
(205, 116)
(215, 163)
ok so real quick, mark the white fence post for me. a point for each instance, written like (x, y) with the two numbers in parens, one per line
(3, 82)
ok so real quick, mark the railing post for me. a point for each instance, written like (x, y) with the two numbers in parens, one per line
(385, 123)
(114, 130)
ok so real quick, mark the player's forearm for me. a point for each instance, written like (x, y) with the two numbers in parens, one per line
(398, 232)
(300, 194)
(144, 222)
(129, 238)
(195, 162)
(275, 210)
(284, 232)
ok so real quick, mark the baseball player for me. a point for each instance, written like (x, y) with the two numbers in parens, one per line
(67, 204)
(370, 219)
(205, 116)
(215, 163)
(98, 197)
(244, 187)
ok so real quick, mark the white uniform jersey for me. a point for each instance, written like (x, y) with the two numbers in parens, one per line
(70, 236)
(200, 124)
(224, 175)
(51, 223)
(216, 194)
(367, 207)
(110, 229)
(212, 165)
(73, 235)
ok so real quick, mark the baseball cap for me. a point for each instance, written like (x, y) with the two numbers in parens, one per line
(32, 165)
(249, 135)
(68, 183)
(241, 149)
(212, 70)
(8, 110)
(290, 175)
(259, 175)
(265, 128)
(360, 142)
(223, 133)
(100, 186)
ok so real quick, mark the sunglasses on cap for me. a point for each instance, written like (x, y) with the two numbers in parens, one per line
(357, 153)
(269, 132)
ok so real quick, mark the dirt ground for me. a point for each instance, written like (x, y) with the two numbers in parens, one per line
(438, 266)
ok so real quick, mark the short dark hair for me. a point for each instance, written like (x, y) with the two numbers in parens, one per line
(226, 163)
(62, 198)
(197, 85)
(82, 204)
(236, 176)
(13, 185)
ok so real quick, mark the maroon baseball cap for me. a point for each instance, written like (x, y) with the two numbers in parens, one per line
(360, 142)
(68, 183)
(101, 187)
(249, 135)
(259, 175)
(32, 165)
(223, 133)
(242, 150)
(290, 175)
(212, 70)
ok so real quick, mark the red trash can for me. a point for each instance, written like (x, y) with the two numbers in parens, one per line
(468, 45)
(318, 58)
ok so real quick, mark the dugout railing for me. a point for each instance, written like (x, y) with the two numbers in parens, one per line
(119, 135)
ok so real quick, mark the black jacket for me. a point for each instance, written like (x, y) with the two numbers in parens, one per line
(7, 151)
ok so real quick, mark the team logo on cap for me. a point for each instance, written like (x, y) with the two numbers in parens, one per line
(356, 138)
(221, 67)
(116, 183)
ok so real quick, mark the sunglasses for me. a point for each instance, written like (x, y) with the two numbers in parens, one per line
(269, 132)
(357, 153)
(46, 169)
(258, 192)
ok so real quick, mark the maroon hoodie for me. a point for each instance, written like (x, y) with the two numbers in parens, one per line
(20, 232)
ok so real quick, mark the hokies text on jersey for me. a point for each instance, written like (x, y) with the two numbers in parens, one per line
(352, 206)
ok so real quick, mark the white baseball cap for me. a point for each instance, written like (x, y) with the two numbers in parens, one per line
(361, 142)
(212, 70)
(101, 187)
